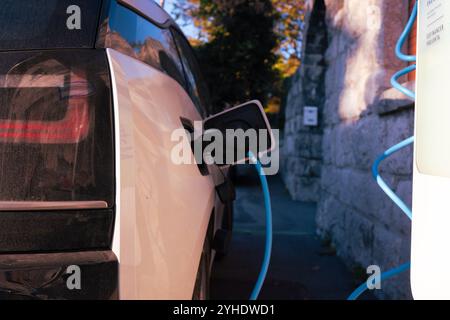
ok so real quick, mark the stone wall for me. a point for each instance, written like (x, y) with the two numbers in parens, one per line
(302, 149)
(361, 118)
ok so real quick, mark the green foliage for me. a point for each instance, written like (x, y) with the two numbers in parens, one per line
(289, 29)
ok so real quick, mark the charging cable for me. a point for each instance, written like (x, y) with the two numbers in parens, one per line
(376, 175)
(407, 58)
(269, 235)
(389, 274)
(383, 185)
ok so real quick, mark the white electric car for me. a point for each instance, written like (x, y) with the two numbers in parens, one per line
(92, 206)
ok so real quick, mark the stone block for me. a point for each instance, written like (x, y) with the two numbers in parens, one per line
(359, 238)
(398, 129)
(330, 217)
(368, 136)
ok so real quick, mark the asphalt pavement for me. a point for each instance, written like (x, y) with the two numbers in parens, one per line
(302, 266)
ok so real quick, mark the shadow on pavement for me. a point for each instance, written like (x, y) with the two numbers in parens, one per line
(301, 267)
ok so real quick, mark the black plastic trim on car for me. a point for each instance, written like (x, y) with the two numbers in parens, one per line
(58, 230)
(167, 24)
(189, 127)
(46, 276)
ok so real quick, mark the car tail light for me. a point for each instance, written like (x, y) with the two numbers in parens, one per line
(73, 128)
(56, 141)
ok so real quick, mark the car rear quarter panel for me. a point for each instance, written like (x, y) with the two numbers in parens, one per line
(163, 209)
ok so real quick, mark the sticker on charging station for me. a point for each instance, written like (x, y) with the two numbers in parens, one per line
(434, 16)
(432, 147)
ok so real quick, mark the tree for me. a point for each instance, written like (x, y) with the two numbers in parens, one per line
(246, 47)
(288, 27)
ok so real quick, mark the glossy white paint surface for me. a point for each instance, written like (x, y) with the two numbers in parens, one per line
(163, 209)
(431, 195)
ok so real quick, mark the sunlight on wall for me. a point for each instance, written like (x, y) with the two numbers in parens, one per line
(363, 74)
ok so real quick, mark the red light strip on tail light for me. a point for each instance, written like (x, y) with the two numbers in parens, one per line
(73, 128)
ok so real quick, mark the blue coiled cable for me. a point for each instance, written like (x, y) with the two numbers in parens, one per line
(375, 173)
(398, 86)
(407, 58)
(386, 275)
(404, 36)
(383, 185)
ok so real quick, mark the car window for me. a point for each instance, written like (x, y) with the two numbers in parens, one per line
(135, 36)
(43, 24)
(197, 87)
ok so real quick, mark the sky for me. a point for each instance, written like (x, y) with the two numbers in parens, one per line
(190, 30)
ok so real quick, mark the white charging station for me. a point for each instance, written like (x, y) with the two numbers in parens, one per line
(430, 261)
